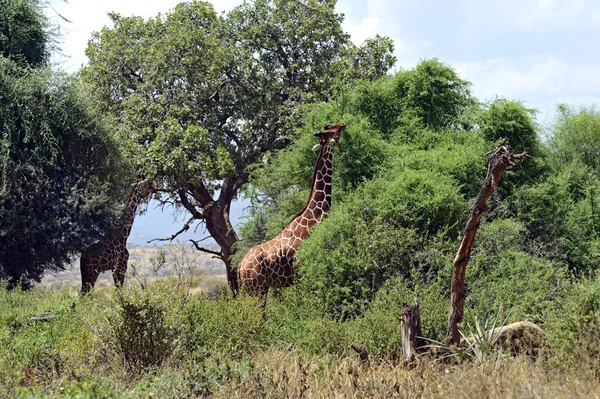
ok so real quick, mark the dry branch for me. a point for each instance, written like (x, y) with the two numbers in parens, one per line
(498, 160)
(362, 352)
(185, 228)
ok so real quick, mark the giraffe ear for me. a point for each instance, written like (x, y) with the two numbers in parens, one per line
(317, 147)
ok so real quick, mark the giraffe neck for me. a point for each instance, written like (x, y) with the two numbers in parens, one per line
(319, 200)
(129, 214)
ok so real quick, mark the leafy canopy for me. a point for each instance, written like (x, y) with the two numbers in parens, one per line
(199, 97)
(56, 160)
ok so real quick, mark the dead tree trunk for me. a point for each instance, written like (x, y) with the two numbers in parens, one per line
(498, 160)
(412, 341)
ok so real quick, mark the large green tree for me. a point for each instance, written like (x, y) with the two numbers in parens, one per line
(55, 159)
(199, 97)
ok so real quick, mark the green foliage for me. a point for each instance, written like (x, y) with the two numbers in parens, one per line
(58, 165)
(517, 281)
(375, 236)
(561, 217)
(576, 137)
(504, 118)
(24, 32)
(226, 342)
(198, 97)
(132, 64)
(143, 328)
(285, 182)
(511, 119)
(223, 327)
(431, 94)
(373, 59)
(435, 92)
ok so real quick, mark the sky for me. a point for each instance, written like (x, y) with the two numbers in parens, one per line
(541, 52)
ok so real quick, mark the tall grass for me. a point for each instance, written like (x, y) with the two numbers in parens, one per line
(159, 341)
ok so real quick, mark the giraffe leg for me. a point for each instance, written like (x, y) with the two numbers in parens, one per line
(89, 275)
(120, 269)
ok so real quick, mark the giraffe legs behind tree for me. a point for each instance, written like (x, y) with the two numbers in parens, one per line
(112, 254)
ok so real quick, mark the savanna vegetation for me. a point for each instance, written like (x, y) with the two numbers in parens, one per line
(216, 106)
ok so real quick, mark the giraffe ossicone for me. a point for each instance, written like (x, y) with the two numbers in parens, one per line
(112, 253)
(271, 264)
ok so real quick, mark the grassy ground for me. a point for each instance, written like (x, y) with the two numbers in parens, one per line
(161, 341)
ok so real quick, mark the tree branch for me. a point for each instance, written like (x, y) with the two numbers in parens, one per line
(498, 160)
(208, 251)
(230, 187)
(188, 205)
(185, 228)
(200, 193)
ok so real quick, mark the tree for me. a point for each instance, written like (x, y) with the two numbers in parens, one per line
(55, 159)
(434, 92)
(23, 32)
(432, 95)
(576, 136)
(198, 97)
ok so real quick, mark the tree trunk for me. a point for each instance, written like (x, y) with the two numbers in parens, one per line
(412, 341)
(215, 214)
(220, 228)
(498, 160)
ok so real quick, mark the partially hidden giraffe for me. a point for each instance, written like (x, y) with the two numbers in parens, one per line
(112, 253)
(271, 264)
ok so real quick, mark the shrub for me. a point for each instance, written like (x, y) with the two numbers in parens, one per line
(223, 327)
(374, 235)
(144, 327)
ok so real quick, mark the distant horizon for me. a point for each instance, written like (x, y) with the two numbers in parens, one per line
(156, 223)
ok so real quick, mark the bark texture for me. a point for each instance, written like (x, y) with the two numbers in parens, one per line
(412, 341)
(498, 160)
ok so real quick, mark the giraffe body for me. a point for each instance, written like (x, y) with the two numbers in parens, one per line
(113, 254)
(271, 264)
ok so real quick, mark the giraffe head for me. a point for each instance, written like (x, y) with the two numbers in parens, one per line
(330, 135)
(143, 187)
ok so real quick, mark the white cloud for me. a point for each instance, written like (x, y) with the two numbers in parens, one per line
(540, 82)
(549, 76)
(523, 15)
(595, 16)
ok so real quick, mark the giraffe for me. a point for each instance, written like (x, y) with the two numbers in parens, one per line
(112, 253)
(271, 264)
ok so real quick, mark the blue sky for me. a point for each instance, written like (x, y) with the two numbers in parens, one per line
(542, 52)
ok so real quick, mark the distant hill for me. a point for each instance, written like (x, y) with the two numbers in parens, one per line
(148, 262)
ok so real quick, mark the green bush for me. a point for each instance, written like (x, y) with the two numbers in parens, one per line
(375, 235)
(144, 328)
(501, 273)
(223, 327)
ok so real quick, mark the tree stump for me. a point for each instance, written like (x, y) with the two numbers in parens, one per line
(412, 341)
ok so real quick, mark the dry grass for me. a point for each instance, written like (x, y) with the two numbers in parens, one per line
(285, 375)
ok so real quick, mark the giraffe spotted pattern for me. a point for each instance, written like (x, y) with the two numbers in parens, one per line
(272, 264)
(113, 254)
